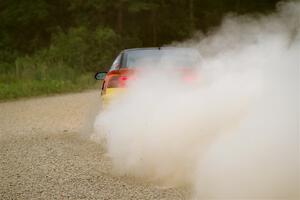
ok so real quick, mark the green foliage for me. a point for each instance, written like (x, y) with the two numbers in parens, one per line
(50, 46)
(33, 77)
(63, 66)
(26, 88)
(84, 50)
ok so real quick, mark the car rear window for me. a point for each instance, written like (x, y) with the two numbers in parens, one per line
(162, 57)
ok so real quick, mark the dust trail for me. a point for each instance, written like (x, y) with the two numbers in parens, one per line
(234, 133)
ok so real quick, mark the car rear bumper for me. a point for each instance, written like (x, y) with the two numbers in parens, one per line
(110, 95)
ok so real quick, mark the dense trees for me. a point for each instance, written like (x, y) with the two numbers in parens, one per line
(86, 34)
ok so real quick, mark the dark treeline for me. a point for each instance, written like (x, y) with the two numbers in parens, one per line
(57, 39)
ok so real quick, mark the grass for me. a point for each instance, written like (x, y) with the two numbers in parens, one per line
(28, 88)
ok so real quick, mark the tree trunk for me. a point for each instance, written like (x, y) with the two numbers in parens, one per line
(17, 64)
(191, 15)
(120, 18)
(154, 27)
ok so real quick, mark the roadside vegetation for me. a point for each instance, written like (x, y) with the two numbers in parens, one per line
(54, 46)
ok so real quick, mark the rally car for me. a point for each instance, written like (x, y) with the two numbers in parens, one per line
(129, 61)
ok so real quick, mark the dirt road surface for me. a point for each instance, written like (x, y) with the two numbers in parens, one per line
(46, 153)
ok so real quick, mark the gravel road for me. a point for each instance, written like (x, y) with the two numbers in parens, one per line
(45, 153)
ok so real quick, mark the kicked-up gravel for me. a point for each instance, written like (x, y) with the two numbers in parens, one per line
(46, 153)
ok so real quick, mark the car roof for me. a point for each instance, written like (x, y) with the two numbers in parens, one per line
(156, 48)
(126, 52)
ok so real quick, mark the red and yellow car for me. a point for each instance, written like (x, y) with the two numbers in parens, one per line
(129, 61)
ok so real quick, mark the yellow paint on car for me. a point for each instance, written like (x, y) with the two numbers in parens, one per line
(110, 94)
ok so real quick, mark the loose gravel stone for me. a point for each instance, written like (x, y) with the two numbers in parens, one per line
(45, 153)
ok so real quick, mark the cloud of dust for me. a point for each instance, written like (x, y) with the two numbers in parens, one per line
(233, 133)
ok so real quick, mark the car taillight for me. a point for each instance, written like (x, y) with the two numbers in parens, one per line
(190, 78)
(117, 81)
(113, 82)
(123, 81)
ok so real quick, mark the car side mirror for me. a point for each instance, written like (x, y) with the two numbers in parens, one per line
(100, 75)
